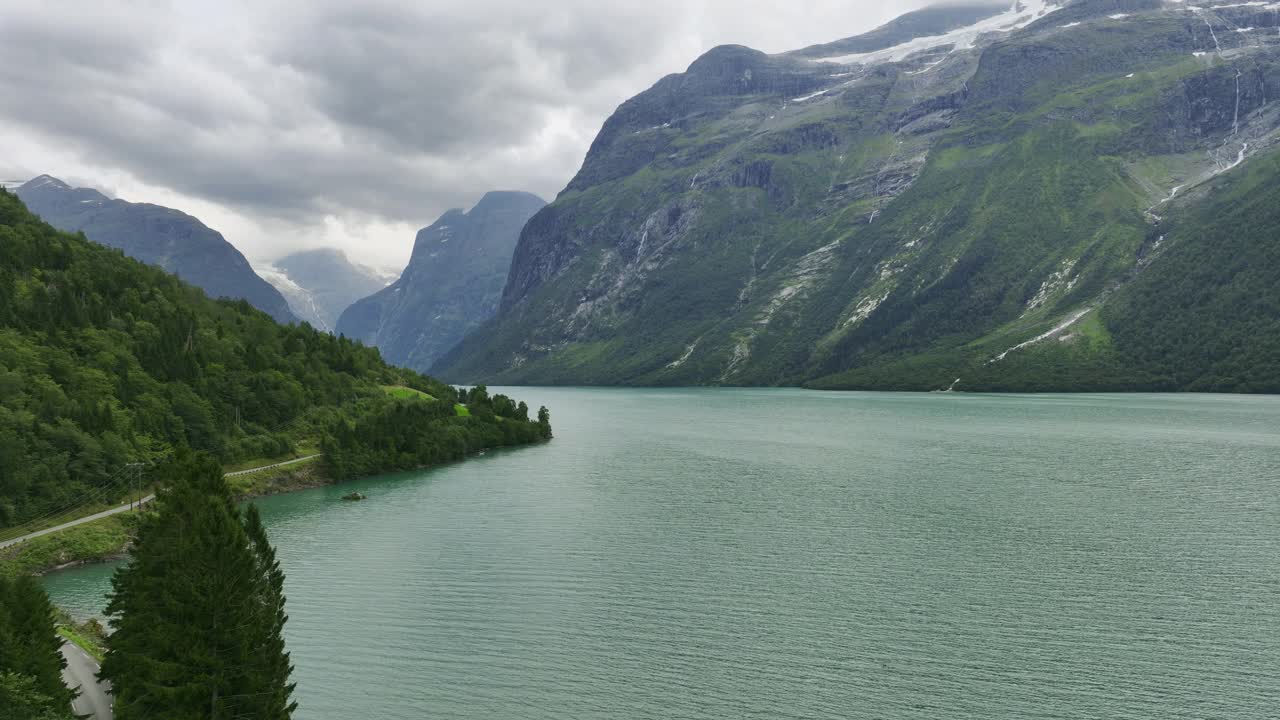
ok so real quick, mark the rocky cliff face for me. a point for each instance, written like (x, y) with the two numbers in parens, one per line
(156, 235)
(451, 285)
(321, 284)
(903, 209)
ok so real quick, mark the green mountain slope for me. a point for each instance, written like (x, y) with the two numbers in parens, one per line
(156, 235)
(899, 217)
(106, 361)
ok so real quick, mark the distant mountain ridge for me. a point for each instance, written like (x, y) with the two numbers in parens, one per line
(320, 284)
(451, 285)
(168, 238)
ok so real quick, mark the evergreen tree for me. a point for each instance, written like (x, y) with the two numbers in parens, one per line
(29, 643)
(194, 613)
(544, 422)
(22, 699)
(270, 579)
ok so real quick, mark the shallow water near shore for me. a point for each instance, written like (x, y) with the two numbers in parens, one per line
(791, 554)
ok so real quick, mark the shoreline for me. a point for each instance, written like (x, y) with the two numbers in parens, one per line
(896, 391)
(66, 553)
(116, 557)
(86, 545)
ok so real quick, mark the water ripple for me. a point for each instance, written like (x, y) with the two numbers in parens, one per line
(780, 554)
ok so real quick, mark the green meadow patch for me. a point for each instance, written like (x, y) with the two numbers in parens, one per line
(405, 393)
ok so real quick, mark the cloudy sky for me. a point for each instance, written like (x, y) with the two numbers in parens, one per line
(294, 124)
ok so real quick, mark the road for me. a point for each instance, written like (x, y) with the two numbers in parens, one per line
(268, 467)
(126, 506)
(81, 674)
(80, 521)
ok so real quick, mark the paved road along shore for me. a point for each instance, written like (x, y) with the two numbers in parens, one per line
(126, 507)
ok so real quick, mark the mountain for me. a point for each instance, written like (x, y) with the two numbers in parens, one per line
(929, 22)
(106, 361)
(320, 284)
(1049, 198)
(451, 285)
(155, 235)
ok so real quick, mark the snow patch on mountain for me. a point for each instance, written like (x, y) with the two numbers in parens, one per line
(301, 300)
(1018, 16)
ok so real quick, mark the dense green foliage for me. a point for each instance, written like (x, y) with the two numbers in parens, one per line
(22, 699)
(404, 434)
(1201, 313)
(30, 661)
(1206, 315)
(199, 611)
(270, 651)
(106, 361)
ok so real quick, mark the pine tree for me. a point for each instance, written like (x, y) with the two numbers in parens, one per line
(29, 643)
(22, 699)
(544, 422)
(270, 579)
(194, 612)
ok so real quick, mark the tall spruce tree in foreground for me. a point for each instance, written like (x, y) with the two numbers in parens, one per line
(198, 613)
(22, 699)
(30, 661)
(276, 668)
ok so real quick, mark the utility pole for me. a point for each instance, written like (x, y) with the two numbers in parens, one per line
(137, 483)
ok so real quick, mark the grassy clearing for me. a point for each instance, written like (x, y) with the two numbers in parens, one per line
(302, 450)
(92, 542)
(1092, 329)
(83, 637)
(461, 410)
(405, 393)
(307, 473)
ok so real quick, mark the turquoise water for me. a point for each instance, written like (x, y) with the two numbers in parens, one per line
(787, 554)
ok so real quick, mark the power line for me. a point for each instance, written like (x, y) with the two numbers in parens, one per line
(115, 484)
(96, 493)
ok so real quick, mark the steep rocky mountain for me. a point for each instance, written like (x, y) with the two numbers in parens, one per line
(156, 235)
(320, 284)
(1033, 200)
(451, 285)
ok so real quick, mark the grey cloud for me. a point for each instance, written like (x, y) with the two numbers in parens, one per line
(288, 111)
(62, 35)
(440, 79)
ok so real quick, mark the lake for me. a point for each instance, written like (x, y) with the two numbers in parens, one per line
(788, 554)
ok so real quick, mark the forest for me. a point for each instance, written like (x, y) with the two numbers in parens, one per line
(404, 435)
(105, 361)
